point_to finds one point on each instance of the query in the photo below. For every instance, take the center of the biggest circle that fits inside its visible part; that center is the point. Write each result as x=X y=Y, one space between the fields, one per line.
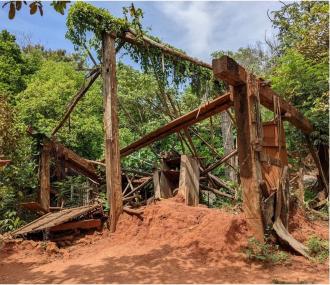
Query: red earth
x=173 y=243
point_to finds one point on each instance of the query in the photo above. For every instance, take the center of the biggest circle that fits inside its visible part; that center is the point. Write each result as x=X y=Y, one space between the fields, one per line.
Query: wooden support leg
x=44 y=194
x=189 y=180
x=112 y=151
x=248 y=157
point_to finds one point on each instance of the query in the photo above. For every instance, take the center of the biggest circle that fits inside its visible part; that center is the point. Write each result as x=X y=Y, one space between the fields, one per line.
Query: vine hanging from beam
x=84 y=18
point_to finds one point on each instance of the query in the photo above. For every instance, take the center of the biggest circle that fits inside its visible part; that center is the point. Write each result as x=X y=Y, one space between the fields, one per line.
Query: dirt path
x=171 y=245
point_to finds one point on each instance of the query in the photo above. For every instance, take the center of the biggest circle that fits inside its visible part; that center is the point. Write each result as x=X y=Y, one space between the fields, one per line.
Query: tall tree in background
x=301 y=71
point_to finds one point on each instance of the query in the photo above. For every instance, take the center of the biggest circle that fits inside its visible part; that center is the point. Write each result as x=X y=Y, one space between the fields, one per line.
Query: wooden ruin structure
x=261 y=146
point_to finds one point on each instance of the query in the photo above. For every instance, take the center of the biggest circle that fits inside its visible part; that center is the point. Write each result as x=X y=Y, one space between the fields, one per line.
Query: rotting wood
x=225 y=68
x=44 y=194
x=84 y=224
x=189 y=180
x=217 y=105
x=284 y=235
x=220 y=183
x=112 y=151
x=76 y=99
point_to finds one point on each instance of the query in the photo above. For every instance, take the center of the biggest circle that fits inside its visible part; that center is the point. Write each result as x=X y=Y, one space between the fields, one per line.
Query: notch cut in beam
x=228 y=70
x=215 y=106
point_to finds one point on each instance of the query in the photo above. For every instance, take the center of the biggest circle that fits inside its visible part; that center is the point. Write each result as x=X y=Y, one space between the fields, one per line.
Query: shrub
x=318 y=248
x=265 y=252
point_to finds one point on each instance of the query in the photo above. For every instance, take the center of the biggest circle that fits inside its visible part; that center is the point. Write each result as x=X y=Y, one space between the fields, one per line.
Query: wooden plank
x=217 y=105
x=250 y=169
x=156 y=181
x=112 y=151
x=283 y=234
x=84 y=224
x=44 y=193
x=189 y=180
x=228 y=70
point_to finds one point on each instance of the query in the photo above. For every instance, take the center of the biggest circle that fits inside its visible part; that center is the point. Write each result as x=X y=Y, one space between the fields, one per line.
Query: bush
x=318 y=248
x=265 y=252
x=10 y=222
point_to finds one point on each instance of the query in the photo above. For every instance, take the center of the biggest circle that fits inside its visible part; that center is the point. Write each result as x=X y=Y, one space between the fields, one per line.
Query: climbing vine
x=84 y=18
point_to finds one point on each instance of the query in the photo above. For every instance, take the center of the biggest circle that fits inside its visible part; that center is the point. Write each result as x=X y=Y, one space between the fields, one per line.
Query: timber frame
x=246 y=94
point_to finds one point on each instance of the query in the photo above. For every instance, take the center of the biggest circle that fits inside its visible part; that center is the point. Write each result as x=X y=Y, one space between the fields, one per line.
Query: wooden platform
x=54 y=219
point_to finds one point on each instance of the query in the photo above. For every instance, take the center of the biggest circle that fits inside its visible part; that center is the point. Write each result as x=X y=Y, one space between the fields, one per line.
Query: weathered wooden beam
x=76 y=99
x=219 y=162
x=44 y=177
x=75 y=161
x=139 y=187
x=217 y=105
x=226 y=69
x=112 y=151
x=146 y=41
x=216 y=192
x=189 y=180
x=248 y=140
x=84 y=224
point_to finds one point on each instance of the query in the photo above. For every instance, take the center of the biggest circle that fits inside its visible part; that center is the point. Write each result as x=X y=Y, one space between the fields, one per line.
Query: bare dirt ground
x=173 y=244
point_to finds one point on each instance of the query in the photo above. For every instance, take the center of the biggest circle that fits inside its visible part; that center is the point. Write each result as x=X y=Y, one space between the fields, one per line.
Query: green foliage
x=305 y=84
x=84 y=18
x=318 y=248
x=10 y=222
x=264 y=252
x=304 y=27
x=11 y=65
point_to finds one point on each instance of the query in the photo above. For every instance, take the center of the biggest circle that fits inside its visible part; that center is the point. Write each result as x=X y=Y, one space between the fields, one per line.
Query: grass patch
x=318 y=248
x=265 y=252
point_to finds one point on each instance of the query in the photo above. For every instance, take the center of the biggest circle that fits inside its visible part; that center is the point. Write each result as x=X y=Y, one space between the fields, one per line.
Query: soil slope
x=172 y=244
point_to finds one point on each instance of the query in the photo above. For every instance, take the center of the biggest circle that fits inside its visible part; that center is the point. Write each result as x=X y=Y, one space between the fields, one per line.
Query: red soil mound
x=169 y=222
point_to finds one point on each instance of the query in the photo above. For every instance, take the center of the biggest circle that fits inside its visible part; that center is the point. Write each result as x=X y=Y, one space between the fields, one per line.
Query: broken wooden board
x=189 y=180
x=284 y=235
x=84 y=224
x=53 y=219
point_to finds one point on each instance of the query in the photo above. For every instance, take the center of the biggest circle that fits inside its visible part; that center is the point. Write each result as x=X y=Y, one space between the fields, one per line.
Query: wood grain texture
x=189 y=180
x=112 y=150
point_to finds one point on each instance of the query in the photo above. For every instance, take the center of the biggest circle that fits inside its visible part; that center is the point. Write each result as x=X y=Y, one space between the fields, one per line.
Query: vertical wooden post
x=249 y=141
x=189 y=180
x=44 y=175
x=248 y=157
x=112 y=151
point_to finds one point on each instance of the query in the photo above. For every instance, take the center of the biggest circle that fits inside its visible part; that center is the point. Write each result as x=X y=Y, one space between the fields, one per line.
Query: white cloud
x=197 y=22
x=203 y=27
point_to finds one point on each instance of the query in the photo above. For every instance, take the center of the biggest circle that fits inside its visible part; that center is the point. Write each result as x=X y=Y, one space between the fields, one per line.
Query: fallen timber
x=215 y=106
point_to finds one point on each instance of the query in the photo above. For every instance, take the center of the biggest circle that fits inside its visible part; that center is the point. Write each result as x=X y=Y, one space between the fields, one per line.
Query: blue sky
x=196 y=27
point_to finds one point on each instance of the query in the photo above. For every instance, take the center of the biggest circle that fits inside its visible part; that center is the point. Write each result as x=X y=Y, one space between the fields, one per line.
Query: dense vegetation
x=36 y=85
